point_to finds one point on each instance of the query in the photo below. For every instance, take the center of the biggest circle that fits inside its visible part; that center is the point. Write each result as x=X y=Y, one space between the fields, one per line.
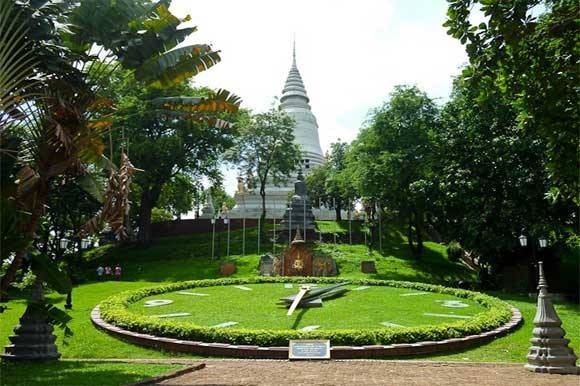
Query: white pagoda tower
x=296 y=104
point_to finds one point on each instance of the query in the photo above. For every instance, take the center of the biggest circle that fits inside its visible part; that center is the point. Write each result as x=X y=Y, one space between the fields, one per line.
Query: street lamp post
x=349 y=224
x=83 y=244
x=244 y=227
x=366 y=226
x=542 y=243
x=380 y=230
x=213 y=238
x=63 y=245
x=289 y=224
x=259 y=220
x=227 y=221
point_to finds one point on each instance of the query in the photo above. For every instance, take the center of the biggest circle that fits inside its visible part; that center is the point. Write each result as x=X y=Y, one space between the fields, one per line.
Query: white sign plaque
x=309 y=349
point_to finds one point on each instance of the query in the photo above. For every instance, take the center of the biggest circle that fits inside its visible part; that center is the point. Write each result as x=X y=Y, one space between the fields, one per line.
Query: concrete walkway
x=364 y=373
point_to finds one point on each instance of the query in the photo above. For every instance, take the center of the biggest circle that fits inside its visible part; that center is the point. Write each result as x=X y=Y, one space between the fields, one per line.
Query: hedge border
x=113 y=312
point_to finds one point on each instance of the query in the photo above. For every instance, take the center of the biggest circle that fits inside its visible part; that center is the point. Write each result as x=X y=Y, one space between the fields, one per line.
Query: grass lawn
x=514 y=347
x=188 y=257
x=78 y=373
x=357 y=308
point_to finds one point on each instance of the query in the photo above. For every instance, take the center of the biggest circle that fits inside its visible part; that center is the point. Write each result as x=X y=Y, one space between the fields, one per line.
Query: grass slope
x=187 y=258
x=78 y=373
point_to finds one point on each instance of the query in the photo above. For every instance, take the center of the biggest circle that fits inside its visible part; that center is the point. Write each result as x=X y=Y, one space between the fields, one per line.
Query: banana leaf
x=42 y=266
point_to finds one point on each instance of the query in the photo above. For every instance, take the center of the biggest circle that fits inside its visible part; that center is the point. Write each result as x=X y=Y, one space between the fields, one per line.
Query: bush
x=114 y=310
x=160 y=215
x=454 y=251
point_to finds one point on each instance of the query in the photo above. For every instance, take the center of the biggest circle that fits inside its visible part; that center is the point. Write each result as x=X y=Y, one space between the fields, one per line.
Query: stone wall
x=195 y=226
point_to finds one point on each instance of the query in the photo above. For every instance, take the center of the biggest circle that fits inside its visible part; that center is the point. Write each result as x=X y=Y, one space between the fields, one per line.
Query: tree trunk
x=338 y=209
x=148 y=201
x=419 y=234
x=29 y=230
x=415 y=234
x=410 y=234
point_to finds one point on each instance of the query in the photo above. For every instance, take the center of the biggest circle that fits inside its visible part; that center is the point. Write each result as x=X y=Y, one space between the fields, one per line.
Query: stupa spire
x=294 y=92
x=294 y=53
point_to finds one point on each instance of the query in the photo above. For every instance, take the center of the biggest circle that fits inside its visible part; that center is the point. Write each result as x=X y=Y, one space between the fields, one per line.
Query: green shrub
x=454 y=251
x=114 y=310
x=160 y=215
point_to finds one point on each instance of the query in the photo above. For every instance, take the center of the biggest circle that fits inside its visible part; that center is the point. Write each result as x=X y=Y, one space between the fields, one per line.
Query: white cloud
x=350 y=53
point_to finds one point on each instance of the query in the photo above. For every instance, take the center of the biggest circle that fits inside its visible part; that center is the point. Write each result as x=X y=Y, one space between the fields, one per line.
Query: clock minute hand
x=301 y=293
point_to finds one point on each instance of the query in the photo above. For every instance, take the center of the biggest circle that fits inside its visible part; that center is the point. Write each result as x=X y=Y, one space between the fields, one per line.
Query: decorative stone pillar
x=33 y=338
x=549 y=352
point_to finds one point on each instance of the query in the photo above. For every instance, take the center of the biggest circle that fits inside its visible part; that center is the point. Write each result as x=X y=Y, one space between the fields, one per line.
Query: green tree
x=180 y=195
x=390 y=161
x=221 y=197
x=533 y=63
x=316 y=184
x=338 y=186
x=165 y=147
x=490 y=179
x=329 y=183
x=265 y=151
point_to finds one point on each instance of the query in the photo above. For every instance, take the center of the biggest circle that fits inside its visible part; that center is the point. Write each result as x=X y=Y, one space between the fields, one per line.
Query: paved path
x=365 y=373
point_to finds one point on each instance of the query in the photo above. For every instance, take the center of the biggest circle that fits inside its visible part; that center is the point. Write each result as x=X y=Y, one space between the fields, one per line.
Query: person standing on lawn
x=118 y=272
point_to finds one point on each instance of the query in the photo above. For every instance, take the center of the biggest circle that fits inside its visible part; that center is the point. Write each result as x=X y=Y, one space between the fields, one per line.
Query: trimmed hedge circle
x=114 y=310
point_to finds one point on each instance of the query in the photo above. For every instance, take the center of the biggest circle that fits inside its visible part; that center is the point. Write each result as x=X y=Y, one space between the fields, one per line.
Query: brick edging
x=337 y=352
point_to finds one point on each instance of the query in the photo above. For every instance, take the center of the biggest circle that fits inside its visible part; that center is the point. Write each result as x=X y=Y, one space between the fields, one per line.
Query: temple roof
x=294 y=88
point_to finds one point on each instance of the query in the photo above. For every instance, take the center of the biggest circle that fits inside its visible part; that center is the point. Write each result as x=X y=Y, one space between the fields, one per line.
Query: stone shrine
x=299 y=215
x=297 y=260
x=208 y=210
x=266 y=265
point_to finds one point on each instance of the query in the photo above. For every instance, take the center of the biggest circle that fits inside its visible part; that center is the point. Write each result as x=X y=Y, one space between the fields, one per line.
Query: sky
x=350 y=54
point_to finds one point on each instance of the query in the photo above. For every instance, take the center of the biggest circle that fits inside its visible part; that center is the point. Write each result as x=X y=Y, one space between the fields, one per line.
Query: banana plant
x=149 y=44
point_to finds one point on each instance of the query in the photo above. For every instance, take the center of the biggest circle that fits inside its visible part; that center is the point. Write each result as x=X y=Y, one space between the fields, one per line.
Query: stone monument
x=300 y=214
x=33 y=338
x=266 y=266
x=549 y=352
x=208 y=210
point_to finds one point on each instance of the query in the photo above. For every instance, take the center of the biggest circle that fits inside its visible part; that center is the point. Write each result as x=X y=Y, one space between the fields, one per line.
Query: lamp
x=543 y=242
x=85 y=243
x=523 y=240
x=64 y=243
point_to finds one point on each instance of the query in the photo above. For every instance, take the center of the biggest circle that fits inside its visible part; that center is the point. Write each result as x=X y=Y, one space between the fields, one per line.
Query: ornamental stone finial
x=549 y=352
x=298 y=237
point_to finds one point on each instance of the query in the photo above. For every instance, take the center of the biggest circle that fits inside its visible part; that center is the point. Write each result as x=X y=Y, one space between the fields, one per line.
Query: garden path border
x=336 y=352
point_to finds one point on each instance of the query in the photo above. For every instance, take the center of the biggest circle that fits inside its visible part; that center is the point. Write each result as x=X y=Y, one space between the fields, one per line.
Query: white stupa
x=295 y=103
